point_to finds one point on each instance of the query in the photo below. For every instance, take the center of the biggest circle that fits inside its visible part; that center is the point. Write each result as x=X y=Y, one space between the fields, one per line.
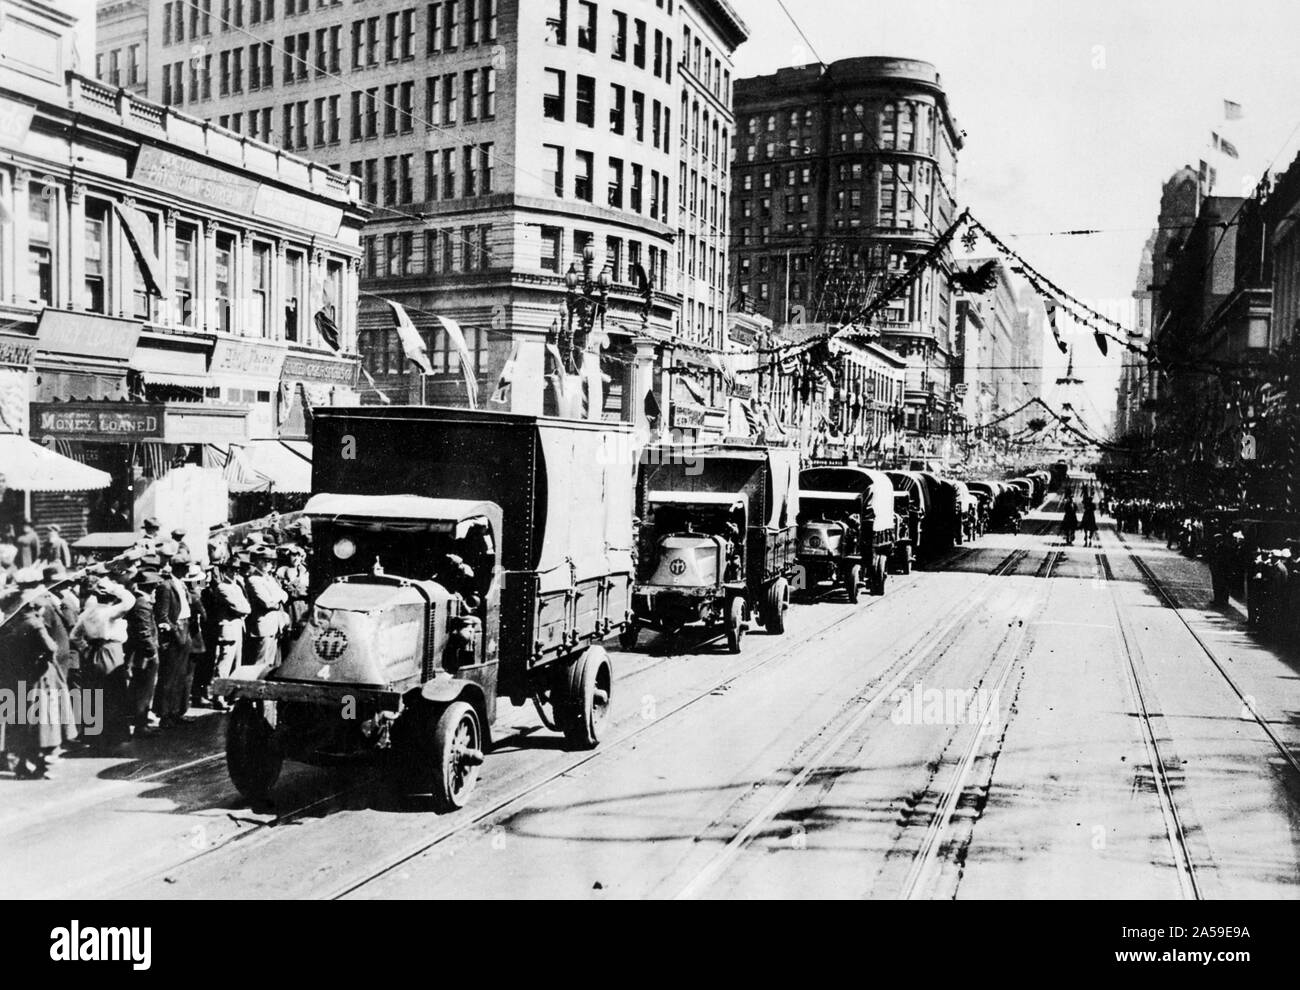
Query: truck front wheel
x=852 y=578
x=735 y=623
x=582 y=700
x=253 y=754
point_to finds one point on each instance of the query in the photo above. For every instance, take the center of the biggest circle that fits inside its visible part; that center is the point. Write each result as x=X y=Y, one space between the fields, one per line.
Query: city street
x=1019 y=719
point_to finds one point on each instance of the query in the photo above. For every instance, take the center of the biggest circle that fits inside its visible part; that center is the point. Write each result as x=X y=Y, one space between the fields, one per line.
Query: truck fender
x=445 y=690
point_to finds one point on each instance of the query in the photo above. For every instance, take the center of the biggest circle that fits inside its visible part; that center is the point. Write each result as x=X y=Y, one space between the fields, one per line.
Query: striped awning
x=29 y=467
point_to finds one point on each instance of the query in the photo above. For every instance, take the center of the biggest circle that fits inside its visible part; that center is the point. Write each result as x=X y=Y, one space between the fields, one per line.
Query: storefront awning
x=29 y=467
x=282 y=466
x=170 y=378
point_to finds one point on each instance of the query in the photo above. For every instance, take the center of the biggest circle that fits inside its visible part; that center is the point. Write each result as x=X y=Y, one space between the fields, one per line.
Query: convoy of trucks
x=462 y=557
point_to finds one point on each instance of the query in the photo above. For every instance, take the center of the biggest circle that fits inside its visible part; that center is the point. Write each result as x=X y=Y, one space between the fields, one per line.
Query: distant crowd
x=150 y=632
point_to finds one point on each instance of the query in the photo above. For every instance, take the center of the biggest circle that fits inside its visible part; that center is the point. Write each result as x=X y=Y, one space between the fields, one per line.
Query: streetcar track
x=1246 y=700
x=1176 y=832
x=928 y=856
x=266 y=830
x=918 y=653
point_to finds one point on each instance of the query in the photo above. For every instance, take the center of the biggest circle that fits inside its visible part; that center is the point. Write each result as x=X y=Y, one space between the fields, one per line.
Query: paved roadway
x=1024 y=719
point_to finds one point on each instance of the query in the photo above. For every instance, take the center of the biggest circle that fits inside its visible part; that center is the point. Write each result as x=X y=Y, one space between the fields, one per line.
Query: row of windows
x=904 y=125
x=427 y=252
x=382 y=354
x=622 y=35
x=700 y=197
x=243 y=303
x=706 y=136
x=449 y=173
x=555 y=107
x=109 y=66
x=706 y=67
x=620 y=179
x=197 y=14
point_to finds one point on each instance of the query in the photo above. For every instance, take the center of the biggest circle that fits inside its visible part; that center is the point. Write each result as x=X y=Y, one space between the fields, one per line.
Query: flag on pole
x=383 y=396
x=1052 y=305
x=457 y=339
x=507 y=378
x=1231 y=110
x=412 y=343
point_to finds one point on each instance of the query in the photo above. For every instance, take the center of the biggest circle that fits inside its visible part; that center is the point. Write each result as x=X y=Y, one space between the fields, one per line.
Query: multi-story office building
x=122 y=44
x=991 y=371
x=843 y=176
x=174 y=289
x=502 y=144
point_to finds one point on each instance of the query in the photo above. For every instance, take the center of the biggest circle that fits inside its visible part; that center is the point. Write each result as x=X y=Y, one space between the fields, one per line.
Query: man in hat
x=101 y=635
x=29 y=546
x=173 y=614
x=150 y=537
x=200 y=667
x=267 y=620
x=182 y=554
x=57 y=550
x=292 y=575
x=142 y=649
x=232 y=608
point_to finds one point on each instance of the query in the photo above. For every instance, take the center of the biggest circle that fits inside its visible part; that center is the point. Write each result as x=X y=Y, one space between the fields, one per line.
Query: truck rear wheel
x=778 y=600
x=880 y=574
x=582 y=700
x=253 y=755
x=852 y=578
x=735 y=623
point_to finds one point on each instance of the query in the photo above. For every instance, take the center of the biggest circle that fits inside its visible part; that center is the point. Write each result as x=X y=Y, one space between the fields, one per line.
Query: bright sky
x=1075 y=112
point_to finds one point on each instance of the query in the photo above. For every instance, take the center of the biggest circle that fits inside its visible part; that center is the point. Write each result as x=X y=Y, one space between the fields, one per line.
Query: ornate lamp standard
x=586 y=301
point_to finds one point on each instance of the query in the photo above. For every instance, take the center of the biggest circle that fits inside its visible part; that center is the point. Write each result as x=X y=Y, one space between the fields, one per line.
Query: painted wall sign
x=194 y=179
x=246 y=357
x=17 y=351
x=98 y=421
x=87 y=334
x=15 y=122
x=299 y=367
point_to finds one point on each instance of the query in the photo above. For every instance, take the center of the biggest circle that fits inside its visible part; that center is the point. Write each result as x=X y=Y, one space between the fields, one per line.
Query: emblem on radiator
x=677 y=567
x=330 y=644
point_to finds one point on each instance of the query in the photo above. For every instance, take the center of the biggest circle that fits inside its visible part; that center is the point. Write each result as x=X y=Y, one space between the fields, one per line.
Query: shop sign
x=87 y=335
x=194 y=180
x=687 y=417
x=245 y=357
x=98 y=421
x=15 y=122
x=298 y=367
x=742 y=390
x=17 y=351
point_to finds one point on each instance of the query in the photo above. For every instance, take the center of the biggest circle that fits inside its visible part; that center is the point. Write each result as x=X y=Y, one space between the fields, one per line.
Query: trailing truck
x=458 y=558
x=717 y=542
x=849 y=530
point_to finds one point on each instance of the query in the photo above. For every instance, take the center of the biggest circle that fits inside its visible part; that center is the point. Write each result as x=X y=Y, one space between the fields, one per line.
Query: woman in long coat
x=1089 y=523
x=47 y=720
x=1071 y=521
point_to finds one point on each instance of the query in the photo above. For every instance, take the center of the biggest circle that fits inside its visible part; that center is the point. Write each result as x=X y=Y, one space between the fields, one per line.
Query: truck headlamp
x=344 y=549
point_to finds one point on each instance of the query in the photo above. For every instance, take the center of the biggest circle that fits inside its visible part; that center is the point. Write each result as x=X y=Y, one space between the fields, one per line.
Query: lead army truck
x=458 y=558
x=717 y=541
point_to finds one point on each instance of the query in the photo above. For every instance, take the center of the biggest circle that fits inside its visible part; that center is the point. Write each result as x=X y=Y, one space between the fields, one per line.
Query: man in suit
x=57 y=550
x=268 y=619
x=29 y=546
x=142 y=649
x=172 y=612
x=230 y=601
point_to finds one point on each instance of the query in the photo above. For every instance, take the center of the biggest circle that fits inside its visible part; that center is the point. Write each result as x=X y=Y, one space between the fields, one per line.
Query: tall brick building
x=843 y=174
x=498 y=140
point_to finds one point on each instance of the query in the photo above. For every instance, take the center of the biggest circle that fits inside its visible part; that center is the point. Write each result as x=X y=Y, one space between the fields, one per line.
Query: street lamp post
x=585 y=301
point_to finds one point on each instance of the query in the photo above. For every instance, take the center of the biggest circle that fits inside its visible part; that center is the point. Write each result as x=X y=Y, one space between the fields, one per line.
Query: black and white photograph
x=649 y=450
